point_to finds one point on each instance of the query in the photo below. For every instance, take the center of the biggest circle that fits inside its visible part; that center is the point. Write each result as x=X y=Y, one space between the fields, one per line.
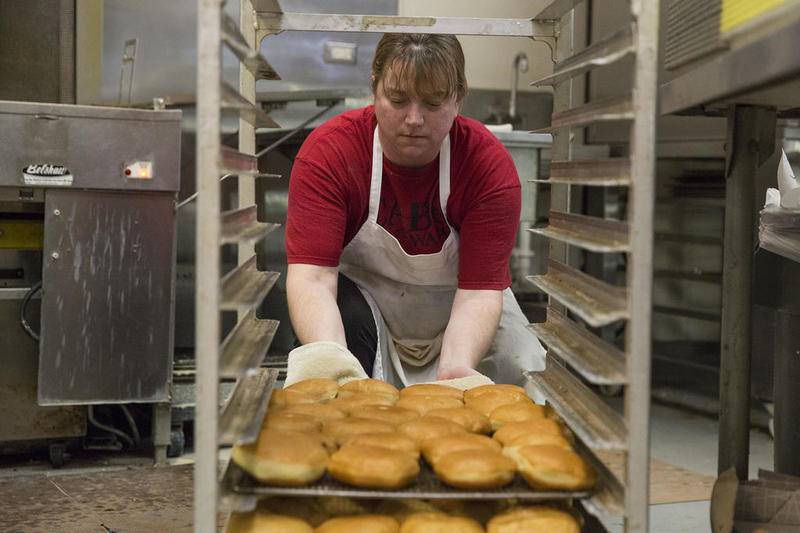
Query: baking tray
x=239 y=482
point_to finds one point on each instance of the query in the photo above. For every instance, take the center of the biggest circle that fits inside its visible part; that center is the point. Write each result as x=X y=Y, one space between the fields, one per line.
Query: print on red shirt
x=413 y=214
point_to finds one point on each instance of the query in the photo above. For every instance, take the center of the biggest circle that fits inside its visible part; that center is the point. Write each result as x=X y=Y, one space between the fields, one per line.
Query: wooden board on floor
x=134 y=500
x=668 y=483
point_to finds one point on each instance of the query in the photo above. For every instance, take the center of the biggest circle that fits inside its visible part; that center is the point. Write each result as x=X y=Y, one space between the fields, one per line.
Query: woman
x=401 y=222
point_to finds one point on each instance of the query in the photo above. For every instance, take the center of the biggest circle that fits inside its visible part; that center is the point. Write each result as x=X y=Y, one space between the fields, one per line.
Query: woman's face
x=411 y=127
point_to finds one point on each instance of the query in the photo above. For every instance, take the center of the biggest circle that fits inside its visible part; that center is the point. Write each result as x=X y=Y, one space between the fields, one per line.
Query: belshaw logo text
x=46 y=170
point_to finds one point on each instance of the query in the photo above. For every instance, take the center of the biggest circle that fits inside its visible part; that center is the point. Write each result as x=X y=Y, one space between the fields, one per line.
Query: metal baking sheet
x=427 y=486
x=244 y=411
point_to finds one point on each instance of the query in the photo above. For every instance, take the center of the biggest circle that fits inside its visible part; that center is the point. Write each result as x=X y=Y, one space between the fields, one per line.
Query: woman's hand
x=457 y=371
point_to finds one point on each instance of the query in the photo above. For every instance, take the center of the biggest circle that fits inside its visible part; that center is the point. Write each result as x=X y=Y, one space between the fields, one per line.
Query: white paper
x=773 y=198
x=787 y=184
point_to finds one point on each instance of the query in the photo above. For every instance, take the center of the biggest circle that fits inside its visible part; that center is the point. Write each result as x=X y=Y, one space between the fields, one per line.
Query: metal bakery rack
x=599 y=427
x=576 y=355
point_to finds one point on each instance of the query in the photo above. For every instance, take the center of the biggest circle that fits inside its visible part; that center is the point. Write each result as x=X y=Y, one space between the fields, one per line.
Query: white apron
x=411 y=297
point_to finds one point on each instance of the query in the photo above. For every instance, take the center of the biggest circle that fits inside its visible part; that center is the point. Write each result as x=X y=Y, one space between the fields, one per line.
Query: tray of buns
x=365 y=439
x=427 y=486
x=344 y=515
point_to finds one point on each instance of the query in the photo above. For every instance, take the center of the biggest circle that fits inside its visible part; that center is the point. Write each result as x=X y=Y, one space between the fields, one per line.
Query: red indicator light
x=127 y=172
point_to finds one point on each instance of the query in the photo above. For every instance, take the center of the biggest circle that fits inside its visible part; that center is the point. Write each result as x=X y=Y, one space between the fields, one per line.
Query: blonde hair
x=434 y=62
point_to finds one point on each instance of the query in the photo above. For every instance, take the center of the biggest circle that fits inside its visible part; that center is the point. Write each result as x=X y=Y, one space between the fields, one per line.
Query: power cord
x=22 y=319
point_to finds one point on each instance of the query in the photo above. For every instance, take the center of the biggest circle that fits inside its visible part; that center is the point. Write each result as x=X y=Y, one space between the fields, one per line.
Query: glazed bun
x=435 y=449
x=426 y=428
x=373 y=467
x=475 y=469
x=369 y=386
x=551 y=467
x=432 y=389
x=515 y=412
x=284 y=458
x=342 y=430
x=533 y=519
x=368 y=523
x=488 y=402
x=539 y=439
x=388 y=413
x=352 y=404
x=391 y=441
x=320 y=389
x=471 y=420
x=286 y=421
x=510 y=432
x=257 y=522
x=321 y=411
x=435 y=522
x=425 y=404
x=280 y=398
x=475 y=392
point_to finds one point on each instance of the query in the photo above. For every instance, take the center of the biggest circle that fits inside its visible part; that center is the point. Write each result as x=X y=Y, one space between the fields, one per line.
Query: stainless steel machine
x=87 y=265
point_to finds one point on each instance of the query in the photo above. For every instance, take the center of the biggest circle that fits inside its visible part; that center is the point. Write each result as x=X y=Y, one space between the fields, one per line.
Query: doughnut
x=515 y=412
x=431 y=389
x=373 y=467
x=533 y=519
x=285 y=421
x=551 y=467
x=539 y=439
x=425 y=428
x=284 y=458
x=475 y=469
x=436 y=522
x=281 y=398
x=488 y=402
x=341 y=430
x=388 y=413
x=320 y=389
x=321 y=411
x=510 y=432
x=434 y=449
x=390 y=441
x=368 y=523
x=351 y=404
x=473 y=393
x=424 y=404
x=369 y=386
x=469 y=419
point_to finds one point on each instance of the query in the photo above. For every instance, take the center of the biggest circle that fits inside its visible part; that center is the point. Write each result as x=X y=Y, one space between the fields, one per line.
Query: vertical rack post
x=240 y=354
x=576 y=297
x=247 y=130
x=207 y=294
x=640 y=261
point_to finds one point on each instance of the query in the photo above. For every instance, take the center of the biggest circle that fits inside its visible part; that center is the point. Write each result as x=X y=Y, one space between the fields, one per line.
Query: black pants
x=359 y=324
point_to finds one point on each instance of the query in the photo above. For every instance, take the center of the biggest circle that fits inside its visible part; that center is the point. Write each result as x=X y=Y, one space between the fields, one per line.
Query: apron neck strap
x=376 y=177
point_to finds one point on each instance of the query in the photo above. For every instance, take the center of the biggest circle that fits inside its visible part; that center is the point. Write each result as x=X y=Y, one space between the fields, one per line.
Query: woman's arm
x=311 y=294
x=470 y=331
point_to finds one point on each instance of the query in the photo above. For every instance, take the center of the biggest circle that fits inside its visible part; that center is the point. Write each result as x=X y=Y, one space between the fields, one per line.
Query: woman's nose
x=414 y=116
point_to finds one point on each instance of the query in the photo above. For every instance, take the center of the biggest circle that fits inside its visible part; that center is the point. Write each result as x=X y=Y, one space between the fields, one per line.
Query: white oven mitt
x=323 y=359
x=466 y=383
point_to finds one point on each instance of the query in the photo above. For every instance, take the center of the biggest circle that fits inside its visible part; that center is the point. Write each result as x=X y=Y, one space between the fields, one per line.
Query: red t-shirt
x=329 y=198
